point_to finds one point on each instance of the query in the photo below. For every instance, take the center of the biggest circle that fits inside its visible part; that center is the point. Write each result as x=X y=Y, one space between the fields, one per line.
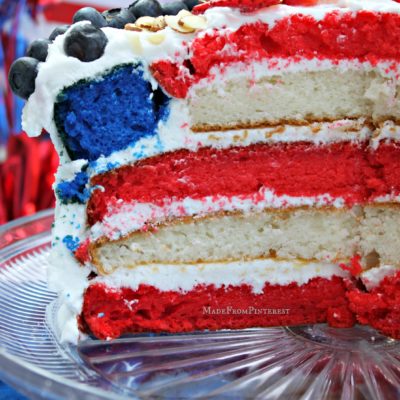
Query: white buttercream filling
x=256 y=273
x=374 y=276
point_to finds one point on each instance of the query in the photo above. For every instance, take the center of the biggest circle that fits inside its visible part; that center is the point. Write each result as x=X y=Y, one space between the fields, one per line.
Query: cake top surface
x=145 y=43
x=124 y=46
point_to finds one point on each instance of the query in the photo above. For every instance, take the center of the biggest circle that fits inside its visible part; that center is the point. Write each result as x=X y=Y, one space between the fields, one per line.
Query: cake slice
x=230 y=167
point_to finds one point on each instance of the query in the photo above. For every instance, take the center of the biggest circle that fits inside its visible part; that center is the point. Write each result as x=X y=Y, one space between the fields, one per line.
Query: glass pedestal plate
x=307 y=362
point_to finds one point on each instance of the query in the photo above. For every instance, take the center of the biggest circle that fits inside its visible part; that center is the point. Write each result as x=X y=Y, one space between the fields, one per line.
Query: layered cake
x=229 y=166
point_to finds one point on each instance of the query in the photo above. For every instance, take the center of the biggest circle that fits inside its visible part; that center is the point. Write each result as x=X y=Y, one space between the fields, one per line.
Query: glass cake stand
x=308 y=362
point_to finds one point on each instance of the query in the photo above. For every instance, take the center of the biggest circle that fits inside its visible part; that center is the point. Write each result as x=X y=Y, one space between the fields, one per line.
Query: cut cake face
x=241 y=154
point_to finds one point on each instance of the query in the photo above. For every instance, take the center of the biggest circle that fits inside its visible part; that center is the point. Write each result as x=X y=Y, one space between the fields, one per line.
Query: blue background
x=7 y=393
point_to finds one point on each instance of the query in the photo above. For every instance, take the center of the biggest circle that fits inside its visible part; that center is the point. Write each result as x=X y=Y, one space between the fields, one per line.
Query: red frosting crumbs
x=110 y=313
x=380 y=307
x=82 y=253
x=355 y=267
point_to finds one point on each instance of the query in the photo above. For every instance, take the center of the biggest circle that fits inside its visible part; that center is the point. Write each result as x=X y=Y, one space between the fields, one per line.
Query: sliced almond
x=133 y=27
x=193 y=22
x=148 y=23
x=161 y=22
x=173 y=22
x=156 y=38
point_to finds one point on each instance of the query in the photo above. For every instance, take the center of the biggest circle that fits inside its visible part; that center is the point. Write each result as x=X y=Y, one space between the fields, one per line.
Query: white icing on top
x=60 y=71
x=221 y=17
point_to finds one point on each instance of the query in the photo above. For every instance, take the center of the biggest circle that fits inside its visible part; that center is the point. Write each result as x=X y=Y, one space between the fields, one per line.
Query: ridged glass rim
x=13 y=370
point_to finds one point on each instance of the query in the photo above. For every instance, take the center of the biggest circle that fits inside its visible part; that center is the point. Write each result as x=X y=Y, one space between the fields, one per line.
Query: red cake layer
x=386 y=163
x=347 y=170
x=381 y=307
x=365 y=36
x=109 y=313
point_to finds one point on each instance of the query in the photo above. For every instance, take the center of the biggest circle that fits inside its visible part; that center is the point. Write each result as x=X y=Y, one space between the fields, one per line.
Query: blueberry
x=85 y=42
x=60 y=30
x=146 y=8
x=90 y=14
x=173 y=7
x=110 y=14
x=39 y=49
x=191 y=3
x=22 y=76
x=118 y=18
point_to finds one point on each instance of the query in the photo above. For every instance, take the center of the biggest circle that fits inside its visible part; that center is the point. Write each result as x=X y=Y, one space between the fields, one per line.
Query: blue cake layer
x=98 y=117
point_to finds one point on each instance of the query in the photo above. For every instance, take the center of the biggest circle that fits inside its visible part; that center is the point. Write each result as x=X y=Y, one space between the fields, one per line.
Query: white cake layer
x=335 y=235
x=308 y=234
x=241 y=97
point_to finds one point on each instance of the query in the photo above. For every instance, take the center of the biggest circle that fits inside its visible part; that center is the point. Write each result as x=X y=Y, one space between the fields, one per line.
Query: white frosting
x=222 y=17
x=388 y=131
x=388 y=198
x=133 y=216
x=254 y=273
x=66 y=276
x=68 y=171
x=374 y=276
